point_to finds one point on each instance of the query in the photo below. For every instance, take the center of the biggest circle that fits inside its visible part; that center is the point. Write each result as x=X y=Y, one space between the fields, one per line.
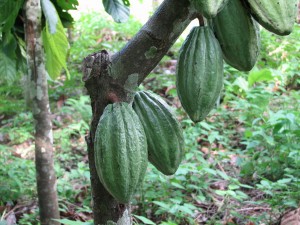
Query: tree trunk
x=298 y=14
x=45 y=175
x=114 y=79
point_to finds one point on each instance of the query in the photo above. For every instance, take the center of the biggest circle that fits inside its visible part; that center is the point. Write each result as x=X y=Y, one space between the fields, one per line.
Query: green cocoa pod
x=277 y=16
x=199 y=73
x=163 y=132
x=120 y=147
x=238 y=35
x=209 y=8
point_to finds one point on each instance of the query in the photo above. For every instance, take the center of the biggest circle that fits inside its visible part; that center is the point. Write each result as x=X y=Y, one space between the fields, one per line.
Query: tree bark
x=298 y=14
x=115 y=78
x=45 y=174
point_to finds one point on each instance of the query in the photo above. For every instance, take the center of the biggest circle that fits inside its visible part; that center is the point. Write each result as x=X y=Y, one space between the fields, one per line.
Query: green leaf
x=21 y=54
x=186 y=210
x=7 y=67
x=220 y=192
x=213 y=136
x=117 y=9
x=177 y=185
x=162 y=204
x=265 y=184
x=241 y=84
x=261 y=75
x=210 y=171
x=68 y=5
x=144 y=220
x=65 y=17
x=56 y=48
x=8 y=13
x=206 y=125
x=284 y=181
x=223 y=175
x=50 y=15
x=6 y=7
x=62 y=8
x=9 y=45
x=246 y=186
x=233 y=186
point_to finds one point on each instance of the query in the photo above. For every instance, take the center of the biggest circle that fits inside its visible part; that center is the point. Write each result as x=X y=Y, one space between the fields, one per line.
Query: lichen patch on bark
x=35 y=109
x=39 y=93
x=151 y=53
x=32 y=93
x=131 y=85
x=125 y=219
x=50 y=134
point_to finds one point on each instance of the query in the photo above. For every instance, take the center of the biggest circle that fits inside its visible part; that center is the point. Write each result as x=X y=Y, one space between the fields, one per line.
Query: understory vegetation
x=241 y=165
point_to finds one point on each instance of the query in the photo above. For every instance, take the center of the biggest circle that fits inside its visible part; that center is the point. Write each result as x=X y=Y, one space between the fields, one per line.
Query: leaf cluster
x=12 y=39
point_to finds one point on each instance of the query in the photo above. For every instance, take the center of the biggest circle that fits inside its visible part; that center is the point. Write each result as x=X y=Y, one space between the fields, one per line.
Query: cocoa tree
x=113 y=78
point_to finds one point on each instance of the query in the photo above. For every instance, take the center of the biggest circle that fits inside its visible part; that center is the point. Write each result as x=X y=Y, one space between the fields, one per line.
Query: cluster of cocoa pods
x=231 y=32
x=130 y=135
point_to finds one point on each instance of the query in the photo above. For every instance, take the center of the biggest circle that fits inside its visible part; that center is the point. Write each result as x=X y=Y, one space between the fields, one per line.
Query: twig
x=254 y=208
x=221 y=168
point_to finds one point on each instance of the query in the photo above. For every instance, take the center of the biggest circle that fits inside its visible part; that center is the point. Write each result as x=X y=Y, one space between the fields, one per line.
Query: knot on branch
x=113 y=97
x=96 y=64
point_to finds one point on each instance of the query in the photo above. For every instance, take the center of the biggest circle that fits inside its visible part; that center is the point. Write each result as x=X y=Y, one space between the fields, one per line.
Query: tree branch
x=152 y=42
